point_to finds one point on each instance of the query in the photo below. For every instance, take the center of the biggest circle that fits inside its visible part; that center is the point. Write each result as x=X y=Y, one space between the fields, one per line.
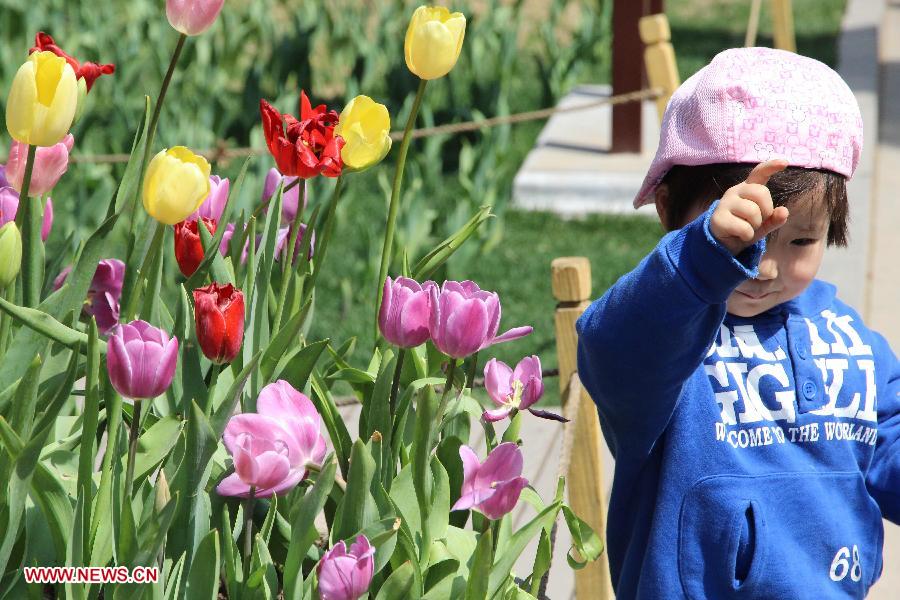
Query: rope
x=221 y=152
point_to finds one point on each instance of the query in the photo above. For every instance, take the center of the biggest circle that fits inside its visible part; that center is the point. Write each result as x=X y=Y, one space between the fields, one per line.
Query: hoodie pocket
x=778 y=536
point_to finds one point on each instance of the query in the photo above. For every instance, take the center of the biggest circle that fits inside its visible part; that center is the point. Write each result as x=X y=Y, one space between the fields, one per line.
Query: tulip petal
x=546 y=414
x=503 y=463
x=504 y=500
x=513 y=334
x=20 y=103
x=497 y=376
x=233 y=486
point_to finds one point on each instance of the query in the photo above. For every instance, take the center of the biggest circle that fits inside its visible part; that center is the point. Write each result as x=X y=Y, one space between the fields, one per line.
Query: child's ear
x=662 y=204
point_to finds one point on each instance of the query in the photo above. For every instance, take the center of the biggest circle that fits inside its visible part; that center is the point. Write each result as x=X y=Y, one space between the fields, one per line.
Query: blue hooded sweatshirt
x=755 y=457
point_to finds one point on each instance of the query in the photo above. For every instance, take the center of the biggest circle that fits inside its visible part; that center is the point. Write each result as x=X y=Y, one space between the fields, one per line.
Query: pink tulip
x=405 y=312
x=141 y=360
x=103 y=295
x=214 y=204
x=271 y=448
x=192 y=17
x=465 y=319
x=9 y=206
x=493 y=487
x=515 y=390
x=346 y=575
x=49 y=165
x=290 y=201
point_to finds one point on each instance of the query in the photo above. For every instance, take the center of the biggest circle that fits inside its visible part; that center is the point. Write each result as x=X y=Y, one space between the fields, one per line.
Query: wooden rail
x=583 y=440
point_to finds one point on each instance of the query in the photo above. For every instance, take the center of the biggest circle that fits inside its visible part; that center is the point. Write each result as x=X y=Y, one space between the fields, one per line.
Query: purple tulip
x=141 y=360
x=465 y=319
x=513 y=389
x=493 y=487
x=405 y=311
x=103 y=294
x=214 y=204
x=290 y=202
x=9 y=206
x=50 y=163
x=272 y=447
x=346 y=575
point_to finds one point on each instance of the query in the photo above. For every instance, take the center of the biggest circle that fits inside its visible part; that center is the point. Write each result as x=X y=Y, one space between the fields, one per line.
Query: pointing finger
x=763 y=171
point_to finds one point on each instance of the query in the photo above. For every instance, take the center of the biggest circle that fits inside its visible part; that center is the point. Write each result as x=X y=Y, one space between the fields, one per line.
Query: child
x=754 y=419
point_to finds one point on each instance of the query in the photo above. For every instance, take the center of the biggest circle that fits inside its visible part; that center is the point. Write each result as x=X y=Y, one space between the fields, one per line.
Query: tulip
x=271 y=448
x=492 y=487
x=405 y=312
x=346 y=575
x=103 y=294
x=365 y=127
x=290 y=201
x=141 y=360
x=11 y=251
x=303 y=148
x=49 y=165
x=433 y=41
x=189 y=246
x=192 y=17
x=9 y=206
x=42 y=100
x=465 y=319
x=219 y=315
x=176 y=183
x=513 y=390
x=88 y=72
x=214 y=204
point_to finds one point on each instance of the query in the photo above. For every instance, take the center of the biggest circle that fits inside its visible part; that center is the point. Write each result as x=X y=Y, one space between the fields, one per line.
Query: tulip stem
x=28 y=220
x=395 y=199
x=395 y=385
x=132 y=447
x=439 y=417
x=154 y=120
x=7 y=293
x=248 y=530
x=317 y=469
x=214 y=371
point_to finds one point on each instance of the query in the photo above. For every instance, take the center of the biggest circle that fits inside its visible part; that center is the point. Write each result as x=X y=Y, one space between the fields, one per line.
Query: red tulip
x=189 y=246
x=88 y=71
x=219 y=315
x=307 y=147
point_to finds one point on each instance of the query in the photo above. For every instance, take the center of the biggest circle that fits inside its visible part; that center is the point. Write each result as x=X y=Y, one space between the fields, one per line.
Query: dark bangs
x=702 y=184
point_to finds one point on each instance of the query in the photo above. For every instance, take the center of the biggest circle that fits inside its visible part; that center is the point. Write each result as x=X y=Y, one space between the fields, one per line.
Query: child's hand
x=745 y=213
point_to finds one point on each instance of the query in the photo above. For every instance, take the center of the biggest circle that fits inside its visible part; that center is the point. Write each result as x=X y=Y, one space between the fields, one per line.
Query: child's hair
x=689 y=186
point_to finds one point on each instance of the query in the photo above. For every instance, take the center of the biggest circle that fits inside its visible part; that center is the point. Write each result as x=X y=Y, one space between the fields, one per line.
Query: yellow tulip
x=176 y=183
x=42 y=100
x=11 y=251
x=433 y=41
x=366 y=128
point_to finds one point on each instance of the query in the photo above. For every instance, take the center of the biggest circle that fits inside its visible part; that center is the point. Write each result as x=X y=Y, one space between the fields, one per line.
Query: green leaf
x=153 y=533
x=28 y=343
x=266 y=530
x=88 y=435
x=480 y=569
x=443 y=251
x=296 y=366
x=377 y=407
x=47 y=326
x=263 y=576
x=173 y=579
x=154 y=446
x=400 y=585
x=439 y=515
x=334 y=422
x=303 y=530
x=584 y=540
x=18 y=478
x=358 y=508
x=234 y=571
x=203 y=581
x=49 y=494
x=504 y=563
x=285 y=338
x=542 y=559
x=74 y=556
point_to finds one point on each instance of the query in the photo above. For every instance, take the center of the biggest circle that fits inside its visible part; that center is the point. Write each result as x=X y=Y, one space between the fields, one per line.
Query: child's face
x=792 y=259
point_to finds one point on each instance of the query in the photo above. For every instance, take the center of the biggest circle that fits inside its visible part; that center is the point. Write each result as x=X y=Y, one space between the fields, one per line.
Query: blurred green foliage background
x=518 y=55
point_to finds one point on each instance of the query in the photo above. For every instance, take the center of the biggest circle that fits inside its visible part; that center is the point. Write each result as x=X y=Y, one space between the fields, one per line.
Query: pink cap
x=752 y=104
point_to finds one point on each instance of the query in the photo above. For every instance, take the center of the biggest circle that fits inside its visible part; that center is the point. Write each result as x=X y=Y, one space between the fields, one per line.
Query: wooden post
x=659 y=58
x=783 y=25
x=626 y=75
x=571 y=283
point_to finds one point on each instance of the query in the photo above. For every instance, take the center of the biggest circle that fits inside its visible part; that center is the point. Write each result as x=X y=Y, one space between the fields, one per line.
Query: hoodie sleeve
x=639 y=343
x=883 y=478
